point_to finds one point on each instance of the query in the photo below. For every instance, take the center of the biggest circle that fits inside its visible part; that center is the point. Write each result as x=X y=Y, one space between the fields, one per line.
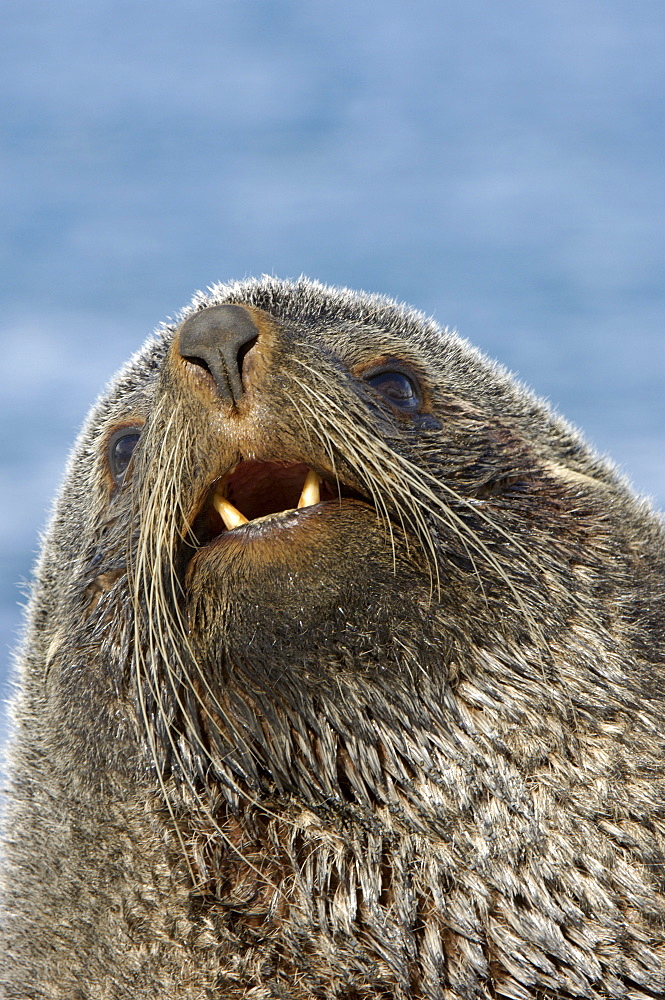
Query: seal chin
x=293 y=571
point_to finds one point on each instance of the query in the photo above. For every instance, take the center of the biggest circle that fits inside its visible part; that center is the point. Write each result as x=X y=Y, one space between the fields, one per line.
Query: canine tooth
x=310 y=492
x=229 y=514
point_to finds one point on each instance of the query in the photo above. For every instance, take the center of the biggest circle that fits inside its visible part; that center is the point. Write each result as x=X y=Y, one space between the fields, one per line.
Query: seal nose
x=218 y=339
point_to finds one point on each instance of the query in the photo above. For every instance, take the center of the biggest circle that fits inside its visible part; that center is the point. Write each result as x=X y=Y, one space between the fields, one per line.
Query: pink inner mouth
x=261 y=488
x=257 y=489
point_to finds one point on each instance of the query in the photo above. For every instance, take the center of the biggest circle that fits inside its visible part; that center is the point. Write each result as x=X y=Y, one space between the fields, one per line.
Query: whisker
x=421 y=496
x=156 y=582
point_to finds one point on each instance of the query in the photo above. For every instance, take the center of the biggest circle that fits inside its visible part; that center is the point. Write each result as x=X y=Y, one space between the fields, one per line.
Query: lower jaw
x=327 y=524
x=301 y=566
x=264 y=526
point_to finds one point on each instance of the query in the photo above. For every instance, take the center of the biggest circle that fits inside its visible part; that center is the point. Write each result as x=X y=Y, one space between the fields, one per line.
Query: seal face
x=343 y=677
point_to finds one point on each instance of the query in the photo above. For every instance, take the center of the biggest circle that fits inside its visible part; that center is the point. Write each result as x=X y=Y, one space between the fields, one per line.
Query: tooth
x=229 y=514
x=310 y=491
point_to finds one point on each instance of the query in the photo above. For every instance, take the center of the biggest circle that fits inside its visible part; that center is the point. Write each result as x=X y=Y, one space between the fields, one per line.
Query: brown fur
x=406 y=743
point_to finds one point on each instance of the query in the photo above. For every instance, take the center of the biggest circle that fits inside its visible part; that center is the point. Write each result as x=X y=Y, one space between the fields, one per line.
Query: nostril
x=242 y=354
x=218 y=340
x=199 y=362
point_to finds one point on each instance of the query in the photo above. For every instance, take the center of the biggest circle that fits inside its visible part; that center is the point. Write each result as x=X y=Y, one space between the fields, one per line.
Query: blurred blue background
x=499 y=165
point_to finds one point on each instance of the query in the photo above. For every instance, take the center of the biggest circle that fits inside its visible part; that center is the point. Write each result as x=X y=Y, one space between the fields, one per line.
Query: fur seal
x=343 y=677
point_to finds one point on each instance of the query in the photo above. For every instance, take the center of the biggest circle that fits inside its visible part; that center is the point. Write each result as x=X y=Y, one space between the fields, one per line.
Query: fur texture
x=407 y=742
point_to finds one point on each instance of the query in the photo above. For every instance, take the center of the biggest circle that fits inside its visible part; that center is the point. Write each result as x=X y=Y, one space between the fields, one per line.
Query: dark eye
x=121 y=446
x=398 y=389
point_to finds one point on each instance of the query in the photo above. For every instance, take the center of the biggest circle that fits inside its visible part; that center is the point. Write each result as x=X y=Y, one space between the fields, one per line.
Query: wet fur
x=421 y=755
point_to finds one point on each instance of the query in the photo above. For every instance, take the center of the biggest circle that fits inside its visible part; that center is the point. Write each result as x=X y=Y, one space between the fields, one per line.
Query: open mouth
x=255 y=490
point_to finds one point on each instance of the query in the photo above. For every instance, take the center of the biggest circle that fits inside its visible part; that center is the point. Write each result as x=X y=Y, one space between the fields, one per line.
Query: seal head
x=343 y=678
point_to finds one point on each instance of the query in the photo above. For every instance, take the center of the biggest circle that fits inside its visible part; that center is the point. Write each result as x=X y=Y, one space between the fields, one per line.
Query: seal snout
x=219 y=340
